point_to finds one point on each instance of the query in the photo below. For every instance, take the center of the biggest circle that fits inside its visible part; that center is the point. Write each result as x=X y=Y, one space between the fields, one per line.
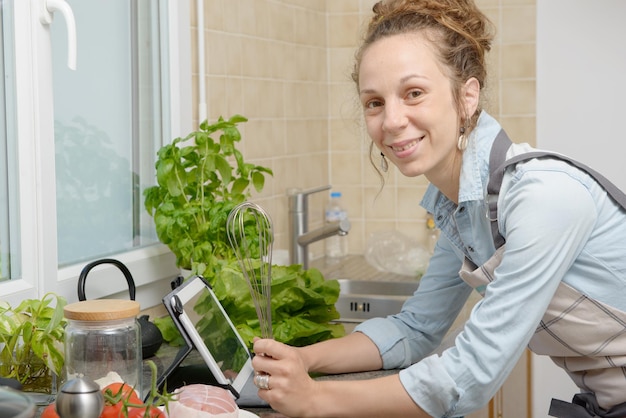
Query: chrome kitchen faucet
x=299 y=235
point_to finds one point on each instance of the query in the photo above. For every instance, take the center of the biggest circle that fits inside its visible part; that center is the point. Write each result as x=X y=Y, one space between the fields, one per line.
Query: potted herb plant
x=32 y=342
x=199 y=181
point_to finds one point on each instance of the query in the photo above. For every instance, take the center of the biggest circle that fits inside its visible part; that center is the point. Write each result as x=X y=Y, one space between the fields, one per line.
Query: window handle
x=48 y=7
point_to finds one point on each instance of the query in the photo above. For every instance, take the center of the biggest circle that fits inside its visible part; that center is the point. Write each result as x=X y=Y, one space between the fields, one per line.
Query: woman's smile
x=409 y=109
x=399 y=148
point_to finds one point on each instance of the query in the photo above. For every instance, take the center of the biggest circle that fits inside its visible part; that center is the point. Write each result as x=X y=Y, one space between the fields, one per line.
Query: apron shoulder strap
x=498 y=164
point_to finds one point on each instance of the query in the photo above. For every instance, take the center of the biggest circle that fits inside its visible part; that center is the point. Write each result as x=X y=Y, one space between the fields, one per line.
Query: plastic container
x=336 y=246
x=103 y=342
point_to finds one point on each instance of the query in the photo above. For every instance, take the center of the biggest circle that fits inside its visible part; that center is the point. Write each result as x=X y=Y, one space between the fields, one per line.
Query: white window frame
x=152 y=267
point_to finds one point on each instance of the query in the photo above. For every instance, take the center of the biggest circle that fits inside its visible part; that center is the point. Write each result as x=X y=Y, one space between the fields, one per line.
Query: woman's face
x=410 y=113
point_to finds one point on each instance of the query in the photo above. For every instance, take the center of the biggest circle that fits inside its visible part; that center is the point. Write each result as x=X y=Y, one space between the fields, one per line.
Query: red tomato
x=112 y=411
x=50 y=411
x=148 y=412
x=126 y=391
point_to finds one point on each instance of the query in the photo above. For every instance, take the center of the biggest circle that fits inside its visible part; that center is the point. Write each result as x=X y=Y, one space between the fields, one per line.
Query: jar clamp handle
x=118 y=264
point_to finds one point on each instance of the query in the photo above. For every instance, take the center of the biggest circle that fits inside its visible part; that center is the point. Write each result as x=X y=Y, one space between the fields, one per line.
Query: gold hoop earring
x=384 y=166
x=463 y=140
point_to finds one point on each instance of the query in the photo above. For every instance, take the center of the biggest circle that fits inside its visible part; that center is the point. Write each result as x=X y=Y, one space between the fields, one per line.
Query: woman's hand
x=291 y=389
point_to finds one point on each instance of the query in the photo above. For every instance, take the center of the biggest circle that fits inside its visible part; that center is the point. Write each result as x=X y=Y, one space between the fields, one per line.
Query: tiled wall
x=286 y=64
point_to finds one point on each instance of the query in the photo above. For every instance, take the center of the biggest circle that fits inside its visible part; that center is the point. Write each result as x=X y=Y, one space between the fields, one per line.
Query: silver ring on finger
x=262 y=381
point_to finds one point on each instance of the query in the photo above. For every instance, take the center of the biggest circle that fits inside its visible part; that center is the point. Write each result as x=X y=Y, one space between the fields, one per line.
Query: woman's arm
x=293 y=392
x=353 y=353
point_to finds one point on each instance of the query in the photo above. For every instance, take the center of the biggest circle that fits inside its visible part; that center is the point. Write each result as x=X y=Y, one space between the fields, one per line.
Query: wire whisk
x=251 y=236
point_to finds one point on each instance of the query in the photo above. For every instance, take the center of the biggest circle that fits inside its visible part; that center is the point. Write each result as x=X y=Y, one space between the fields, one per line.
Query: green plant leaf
x=239 y=186
x=32 y=328
x=258 y=180
x=223 y=166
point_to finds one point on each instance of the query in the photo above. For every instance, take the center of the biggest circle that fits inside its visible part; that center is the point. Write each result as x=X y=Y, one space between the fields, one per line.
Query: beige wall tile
x=257 y=102
x=318 y=5
x=281 y=22
x=518 y=24
x=518 y=97
x=304 y=100
x=344 y=30
x=257 y=55
x=365 y=6
x=485 y=4
x=248 y=12
x=345 y=169
x=286 y=64
x=341 y=6
x=306 y=136
x=341 y=64
x=379 y=204
x=310 y=63
x=344 y=102
x=409 y=209
x=215 y=15
x=264 y=138
x=310 y=27
x=518 y=61
x=223 y=54
x=344 y=136
x=312 y=172
x=520 y=128
x=285 y=170
x=519 y=2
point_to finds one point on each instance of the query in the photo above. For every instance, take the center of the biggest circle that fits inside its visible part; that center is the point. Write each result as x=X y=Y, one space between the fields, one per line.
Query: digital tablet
x=205 y=324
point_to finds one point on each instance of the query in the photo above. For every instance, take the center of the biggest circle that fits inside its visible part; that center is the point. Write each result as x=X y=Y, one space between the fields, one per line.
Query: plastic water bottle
x=336 y=246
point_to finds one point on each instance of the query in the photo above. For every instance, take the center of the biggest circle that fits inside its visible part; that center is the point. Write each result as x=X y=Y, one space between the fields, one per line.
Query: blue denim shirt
x=559 y=225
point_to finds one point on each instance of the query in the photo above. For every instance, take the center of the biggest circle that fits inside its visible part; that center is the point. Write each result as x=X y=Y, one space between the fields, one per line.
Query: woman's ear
x=471 y=95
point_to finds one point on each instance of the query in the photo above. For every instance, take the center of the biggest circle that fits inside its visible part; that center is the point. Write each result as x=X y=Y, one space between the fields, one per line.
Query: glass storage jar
x=103 y=342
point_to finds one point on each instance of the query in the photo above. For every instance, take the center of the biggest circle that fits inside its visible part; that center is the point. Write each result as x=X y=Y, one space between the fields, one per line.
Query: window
x=84 y=141
x=9 y=213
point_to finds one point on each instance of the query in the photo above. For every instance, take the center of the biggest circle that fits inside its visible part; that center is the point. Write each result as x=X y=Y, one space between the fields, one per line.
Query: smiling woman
x=80 y=144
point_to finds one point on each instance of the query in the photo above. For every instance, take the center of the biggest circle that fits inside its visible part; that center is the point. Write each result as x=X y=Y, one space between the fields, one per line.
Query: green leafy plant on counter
x=197 y=188
x=199 y=181
x=31 y=339
x=303 y=305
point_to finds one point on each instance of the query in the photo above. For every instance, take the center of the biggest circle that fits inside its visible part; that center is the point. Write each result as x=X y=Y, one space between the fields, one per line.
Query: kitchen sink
x=363 y=299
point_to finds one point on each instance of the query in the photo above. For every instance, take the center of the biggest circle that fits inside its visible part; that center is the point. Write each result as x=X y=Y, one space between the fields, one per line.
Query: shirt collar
x=474 y=167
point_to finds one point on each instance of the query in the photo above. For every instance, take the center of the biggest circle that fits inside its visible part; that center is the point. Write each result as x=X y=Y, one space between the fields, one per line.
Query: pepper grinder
x=80 y=398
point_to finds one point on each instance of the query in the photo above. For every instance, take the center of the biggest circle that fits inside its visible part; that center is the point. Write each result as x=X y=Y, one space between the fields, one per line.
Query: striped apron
x=583 y=336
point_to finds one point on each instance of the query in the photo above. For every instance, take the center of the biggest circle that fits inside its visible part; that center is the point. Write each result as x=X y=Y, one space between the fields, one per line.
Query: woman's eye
x=372 y=104
x=414 y=94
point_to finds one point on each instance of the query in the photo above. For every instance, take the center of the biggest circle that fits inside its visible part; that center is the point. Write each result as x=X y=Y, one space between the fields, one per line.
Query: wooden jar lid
x=101 y=310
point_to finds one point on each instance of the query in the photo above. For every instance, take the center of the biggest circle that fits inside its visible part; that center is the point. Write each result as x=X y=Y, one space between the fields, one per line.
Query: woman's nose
x=395 y=118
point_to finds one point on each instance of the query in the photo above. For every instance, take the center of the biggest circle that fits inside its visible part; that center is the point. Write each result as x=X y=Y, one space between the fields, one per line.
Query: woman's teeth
x=405 y=147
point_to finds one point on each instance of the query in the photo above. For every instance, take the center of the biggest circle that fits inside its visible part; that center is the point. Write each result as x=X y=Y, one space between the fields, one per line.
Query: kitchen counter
x=352 y=267
x=166 y=353
x=269 y=413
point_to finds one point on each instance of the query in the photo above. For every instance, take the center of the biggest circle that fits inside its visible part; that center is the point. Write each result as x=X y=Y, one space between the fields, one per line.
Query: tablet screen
x=212 y=332
x=216 y=333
